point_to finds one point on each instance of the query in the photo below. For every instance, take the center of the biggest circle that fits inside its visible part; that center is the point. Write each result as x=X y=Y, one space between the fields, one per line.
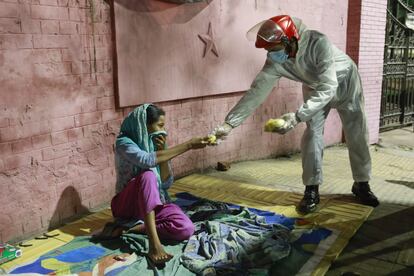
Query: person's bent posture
x=330 y=80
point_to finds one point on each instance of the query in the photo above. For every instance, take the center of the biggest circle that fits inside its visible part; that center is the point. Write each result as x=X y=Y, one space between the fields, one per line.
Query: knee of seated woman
x=148 y=175
x=186 y=232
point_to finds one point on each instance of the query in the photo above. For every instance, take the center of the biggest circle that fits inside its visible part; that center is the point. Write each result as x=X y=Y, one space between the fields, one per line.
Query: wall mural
x=177 y=49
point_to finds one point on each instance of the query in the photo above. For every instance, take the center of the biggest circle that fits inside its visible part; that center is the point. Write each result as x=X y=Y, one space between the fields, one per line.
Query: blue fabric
x=81 y=254
x=35 y=266
x=135 y=151
x=271 y=218
x=186 y=199
x=314 y=237
x=235 y=243
x=231 y=238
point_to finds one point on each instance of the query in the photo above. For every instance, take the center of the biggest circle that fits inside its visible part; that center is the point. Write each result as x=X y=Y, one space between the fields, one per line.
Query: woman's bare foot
x=158 y=255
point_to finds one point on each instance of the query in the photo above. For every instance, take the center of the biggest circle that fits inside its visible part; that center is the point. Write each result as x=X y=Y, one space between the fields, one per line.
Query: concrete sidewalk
x=384 y=245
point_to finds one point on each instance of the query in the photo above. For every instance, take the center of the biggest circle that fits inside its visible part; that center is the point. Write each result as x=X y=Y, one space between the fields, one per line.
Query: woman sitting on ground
x=143 y=177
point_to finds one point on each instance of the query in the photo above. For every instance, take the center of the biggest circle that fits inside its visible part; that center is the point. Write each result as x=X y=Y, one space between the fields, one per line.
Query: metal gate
x=397 y=100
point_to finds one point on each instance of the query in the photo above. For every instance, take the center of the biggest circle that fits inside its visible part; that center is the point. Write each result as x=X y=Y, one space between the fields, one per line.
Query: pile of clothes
x=228 y=238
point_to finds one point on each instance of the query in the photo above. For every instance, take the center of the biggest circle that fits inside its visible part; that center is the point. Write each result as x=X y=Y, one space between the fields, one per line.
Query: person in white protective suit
x=330 y=80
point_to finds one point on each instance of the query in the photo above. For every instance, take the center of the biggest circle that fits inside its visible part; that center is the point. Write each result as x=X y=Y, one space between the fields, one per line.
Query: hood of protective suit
x=300 y=26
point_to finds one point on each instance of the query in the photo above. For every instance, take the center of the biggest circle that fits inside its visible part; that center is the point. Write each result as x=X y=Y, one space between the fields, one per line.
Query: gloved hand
x=221 y=131
x=291 y=120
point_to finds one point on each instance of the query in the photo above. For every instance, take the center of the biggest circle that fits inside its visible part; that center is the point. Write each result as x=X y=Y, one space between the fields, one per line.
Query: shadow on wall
x=68 y=207
x=172 y=13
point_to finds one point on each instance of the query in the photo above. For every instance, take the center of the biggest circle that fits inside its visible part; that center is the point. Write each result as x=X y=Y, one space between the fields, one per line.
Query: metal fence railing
x=397 y=100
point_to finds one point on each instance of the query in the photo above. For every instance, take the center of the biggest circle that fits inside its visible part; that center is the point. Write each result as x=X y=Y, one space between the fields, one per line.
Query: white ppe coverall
x=330 y=79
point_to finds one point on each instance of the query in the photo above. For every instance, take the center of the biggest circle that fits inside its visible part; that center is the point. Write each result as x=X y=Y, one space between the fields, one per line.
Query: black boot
x=364 y=194
x=310 y=199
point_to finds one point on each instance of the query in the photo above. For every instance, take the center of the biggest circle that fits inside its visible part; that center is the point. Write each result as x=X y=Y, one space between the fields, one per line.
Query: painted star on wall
x=208 y=39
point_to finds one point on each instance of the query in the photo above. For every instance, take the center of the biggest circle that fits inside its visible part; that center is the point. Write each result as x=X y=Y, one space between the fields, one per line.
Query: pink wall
x=365 y=44
x=58 y=119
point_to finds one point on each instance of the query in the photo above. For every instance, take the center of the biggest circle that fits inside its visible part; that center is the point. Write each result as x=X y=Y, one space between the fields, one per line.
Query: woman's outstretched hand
x=164 y=154
x=198 y=142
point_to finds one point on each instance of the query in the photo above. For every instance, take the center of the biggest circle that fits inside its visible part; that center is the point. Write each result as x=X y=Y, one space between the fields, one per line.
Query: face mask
x=158 y=133
x=278 y=56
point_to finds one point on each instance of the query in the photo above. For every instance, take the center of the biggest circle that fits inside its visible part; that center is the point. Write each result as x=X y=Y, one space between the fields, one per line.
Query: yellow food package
x=274 y=124
x=212 y=139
